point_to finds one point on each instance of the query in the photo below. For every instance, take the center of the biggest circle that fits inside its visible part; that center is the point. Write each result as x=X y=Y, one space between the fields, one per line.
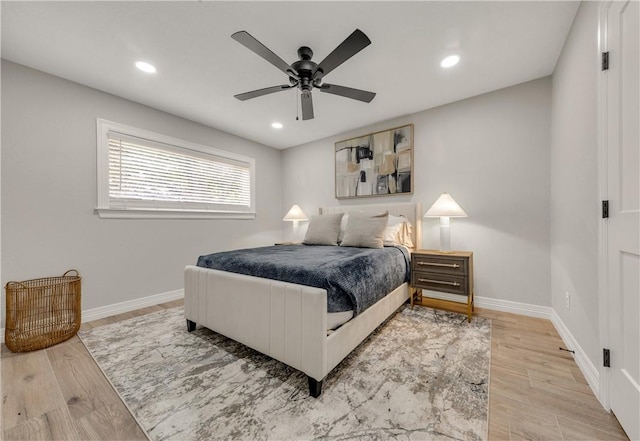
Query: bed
x=289 y=321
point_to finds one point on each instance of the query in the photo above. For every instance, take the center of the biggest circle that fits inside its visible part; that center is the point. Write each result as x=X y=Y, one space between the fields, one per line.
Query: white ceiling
x=200 y=67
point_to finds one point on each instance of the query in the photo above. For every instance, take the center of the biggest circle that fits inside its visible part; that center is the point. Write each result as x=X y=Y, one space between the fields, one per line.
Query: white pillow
x=365 y=230
x=394 y=224
x=390 y=235
x=395 y=220
x=343 y=227
x=323 y=229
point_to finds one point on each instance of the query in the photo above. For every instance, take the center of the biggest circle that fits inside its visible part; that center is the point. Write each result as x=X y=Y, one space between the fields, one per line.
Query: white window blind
x=151 y=174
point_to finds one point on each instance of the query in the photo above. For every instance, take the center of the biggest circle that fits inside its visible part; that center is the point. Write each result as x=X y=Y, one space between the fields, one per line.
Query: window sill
x=111 y=213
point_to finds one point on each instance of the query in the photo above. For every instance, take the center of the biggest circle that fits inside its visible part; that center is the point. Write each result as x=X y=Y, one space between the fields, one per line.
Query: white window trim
x=105 y=211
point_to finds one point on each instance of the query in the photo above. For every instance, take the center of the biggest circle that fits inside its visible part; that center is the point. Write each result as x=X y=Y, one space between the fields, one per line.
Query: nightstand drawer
x=440 y=282
x=453 y=265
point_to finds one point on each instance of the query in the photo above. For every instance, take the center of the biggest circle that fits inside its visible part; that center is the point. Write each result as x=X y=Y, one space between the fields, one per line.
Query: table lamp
x=445 y=208
x=295 y=215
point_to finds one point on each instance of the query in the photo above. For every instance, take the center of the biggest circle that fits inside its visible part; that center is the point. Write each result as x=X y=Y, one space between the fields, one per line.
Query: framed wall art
x=377 y=164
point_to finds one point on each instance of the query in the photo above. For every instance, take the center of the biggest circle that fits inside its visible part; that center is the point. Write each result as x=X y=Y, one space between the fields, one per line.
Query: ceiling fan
x=305 y=74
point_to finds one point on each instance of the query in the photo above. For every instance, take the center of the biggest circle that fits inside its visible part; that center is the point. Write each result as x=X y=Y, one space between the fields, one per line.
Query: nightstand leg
x=416 y=297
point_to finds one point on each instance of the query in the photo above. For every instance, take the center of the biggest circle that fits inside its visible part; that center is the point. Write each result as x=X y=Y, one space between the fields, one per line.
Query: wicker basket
x=42 y=312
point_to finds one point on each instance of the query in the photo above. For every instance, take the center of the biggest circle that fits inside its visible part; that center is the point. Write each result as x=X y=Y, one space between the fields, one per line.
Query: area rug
x=422 y=375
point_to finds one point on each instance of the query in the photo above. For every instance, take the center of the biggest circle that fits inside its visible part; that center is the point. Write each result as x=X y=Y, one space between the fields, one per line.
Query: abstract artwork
x=376 y=164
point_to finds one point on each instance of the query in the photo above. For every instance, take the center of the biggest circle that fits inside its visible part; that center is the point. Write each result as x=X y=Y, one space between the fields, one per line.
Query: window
x=145 y=174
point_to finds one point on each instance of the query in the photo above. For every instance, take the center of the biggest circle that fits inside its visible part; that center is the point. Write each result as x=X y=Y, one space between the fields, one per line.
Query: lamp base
x=445 y=236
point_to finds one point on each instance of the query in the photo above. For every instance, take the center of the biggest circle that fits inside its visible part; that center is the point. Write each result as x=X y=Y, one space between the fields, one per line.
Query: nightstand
x=442 y=279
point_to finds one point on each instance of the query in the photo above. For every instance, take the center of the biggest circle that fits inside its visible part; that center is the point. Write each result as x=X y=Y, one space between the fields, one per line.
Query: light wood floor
x=537 y=391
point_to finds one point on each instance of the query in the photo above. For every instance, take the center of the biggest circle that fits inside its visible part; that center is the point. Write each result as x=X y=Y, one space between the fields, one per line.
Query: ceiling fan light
x=450 y=61
x=145 y=67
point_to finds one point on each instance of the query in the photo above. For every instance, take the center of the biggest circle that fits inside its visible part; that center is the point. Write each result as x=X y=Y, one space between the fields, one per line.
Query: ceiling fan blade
x=353 y=44
x=348 y=92
x=244 y=38
x=261 y=92
x=307 y=105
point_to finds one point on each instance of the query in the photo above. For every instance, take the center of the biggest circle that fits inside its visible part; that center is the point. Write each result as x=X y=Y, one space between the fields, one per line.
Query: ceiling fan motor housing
x=305 y=53
x=305 y=68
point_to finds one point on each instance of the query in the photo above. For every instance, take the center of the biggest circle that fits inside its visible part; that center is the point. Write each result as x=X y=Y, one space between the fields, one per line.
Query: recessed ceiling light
x=145 y=67
x=277 y=125
x=450 y=61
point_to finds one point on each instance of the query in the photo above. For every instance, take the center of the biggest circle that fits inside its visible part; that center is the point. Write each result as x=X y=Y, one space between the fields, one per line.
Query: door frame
x=604 y=374
x=603 y=190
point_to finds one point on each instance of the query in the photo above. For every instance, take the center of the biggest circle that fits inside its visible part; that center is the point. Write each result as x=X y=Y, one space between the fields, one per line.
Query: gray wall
x=491 y=153
x=574 y=181
x=49 y=194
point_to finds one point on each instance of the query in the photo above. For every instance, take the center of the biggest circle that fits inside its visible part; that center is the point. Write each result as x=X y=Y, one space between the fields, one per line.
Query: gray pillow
x=323 y=229
x=365 y=230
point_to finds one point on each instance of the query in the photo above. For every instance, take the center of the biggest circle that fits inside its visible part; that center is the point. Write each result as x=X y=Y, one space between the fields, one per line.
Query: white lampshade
x=445 y=206
x=295 y=214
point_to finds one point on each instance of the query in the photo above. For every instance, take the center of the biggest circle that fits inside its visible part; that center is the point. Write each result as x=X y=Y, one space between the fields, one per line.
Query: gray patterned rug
x=423 y=375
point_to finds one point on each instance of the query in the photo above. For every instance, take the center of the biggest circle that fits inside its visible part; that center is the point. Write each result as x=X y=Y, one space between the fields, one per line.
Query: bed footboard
x=285 y=321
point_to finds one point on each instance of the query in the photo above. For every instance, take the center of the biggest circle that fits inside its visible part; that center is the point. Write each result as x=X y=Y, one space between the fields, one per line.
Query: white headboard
x=410 y=210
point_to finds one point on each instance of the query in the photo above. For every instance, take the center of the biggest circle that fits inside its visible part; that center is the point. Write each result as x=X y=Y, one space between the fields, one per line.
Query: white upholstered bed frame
x=286 y=321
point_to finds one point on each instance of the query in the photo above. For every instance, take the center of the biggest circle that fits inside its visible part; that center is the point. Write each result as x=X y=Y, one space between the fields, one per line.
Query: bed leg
x=315 y=387
x=191 y=326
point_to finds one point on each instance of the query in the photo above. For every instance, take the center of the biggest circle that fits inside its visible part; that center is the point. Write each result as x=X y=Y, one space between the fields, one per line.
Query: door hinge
x=605 y=209
x=606 y=358
x=605 y=60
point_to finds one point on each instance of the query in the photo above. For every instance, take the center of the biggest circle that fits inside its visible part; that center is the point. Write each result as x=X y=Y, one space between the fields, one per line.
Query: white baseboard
x=588 y=369
x=514 y=307
x=92 y=314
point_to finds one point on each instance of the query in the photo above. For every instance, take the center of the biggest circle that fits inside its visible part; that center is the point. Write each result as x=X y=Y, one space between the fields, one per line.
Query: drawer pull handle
x=447 y=265
x=439 y=282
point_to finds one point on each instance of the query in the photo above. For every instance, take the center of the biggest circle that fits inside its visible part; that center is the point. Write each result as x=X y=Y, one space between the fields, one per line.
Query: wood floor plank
x=527 y=430
x=510 y=409
x=498 y=429
x=112 y=422
x=575 y=407
x=581 y=430
x=507 y=391
x=509 y=375
x=29 y=388
x=543 y=367
x=535 y=355
x=84 y=387
x=578 y=375
x=558 y=384
x=54 y=425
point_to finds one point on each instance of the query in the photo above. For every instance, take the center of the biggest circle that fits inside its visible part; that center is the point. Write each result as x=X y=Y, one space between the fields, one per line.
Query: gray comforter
x=355 y=278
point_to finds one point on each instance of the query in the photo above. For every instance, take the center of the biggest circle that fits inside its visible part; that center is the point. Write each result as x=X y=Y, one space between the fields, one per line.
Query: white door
x=623 y=175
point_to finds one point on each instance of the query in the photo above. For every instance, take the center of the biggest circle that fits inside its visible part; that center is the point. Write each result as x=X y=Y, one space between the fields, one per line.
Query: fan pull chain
x=297 y=105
